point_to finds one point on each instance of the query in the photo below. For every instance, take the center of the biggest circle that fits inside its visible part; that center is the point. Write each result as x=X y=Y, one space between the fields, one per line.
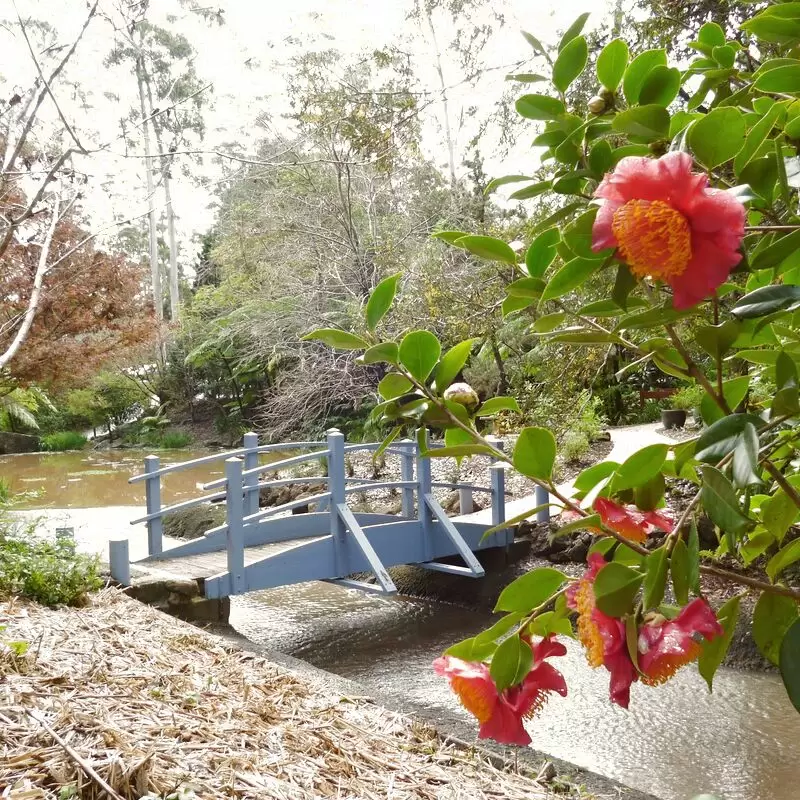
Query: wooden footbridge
x=264 y=548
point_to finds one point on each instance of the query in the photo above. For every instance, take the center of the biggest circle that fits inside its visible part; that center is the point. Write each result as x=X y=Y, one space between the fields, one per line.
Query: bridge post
x=424 y=487
x=498 y=474
x=407 y=474
x=234 y=510
x=336 y=486
x=542 y=497
x=152 y=493
x=497 y=443
x=250 y=442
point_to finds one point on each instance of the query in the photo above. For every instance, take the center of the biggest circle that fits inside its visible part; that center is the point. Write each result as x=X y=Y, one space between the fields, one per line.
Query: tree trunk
x=174 y=296
x=155 y=270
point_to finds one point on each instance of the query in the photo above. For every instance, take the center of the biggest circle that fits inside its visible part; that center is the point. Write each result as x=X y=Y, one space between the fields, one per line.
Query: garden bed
x=118 y=700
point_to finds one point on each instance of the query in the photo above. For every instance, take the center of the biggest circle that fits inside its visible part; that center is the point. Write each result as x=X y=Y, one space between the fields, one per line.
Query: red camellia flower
x=603 y=637
x=501 y=713
x=666 y=222
x=666 y=645
x=628 y=521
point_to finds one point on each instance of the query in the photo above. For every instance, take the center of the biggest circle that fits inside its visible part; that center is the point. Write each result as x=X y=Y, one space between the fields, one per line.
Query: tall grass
x=172 y=440
x=63 y=440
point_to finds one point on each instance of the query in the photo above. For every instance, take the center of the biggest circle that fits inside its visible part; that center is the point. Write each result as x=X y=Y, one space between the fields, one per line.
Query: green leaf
x=650 y=122
x=419 y=352
x=713 y=652
x=789 y=661
x=500 y=628
x=452 y=363
x=571 y=61
x=766 y=301
x=534 y=190
x=783 y=80
x=582 y=524
x=716 y=340
x=526 y=287
x=548 y=624
x=610 y=308
x=775 y=253
x=573 y=31
x=541 y=253
x=395 y=432
x=393 y=385
x=455 y=437
x=679 y=569
x=600 y=158
x=602 y=546
x=539 y=106
x=648 y=496
x=498 y=182
x=340 y=340
x=526 y=77
x=549 y=322
x=535 y=44
x=755 y=138
x=637 y=72
x=489 y=248
x=471 y=650
x=611 y=64
x=512 y=304
x=711 y=34
x=494 y=405
x=660 y=86
x=557 y=216
x=745 y=459
x=591 y=476
x=570 y=276
x=615 y=588
x=385 y=352
x=530 y=590
x=655 y=579
x=771 y=27
x=723 y=436
x=718 y=136
x=640 y=467
x=693 y=545
x=733 y=390
x=381 y=300
x=778 y=512
x=535 y=453
x=451 y=237
x=511 y=662
x=785 y=557
x=772 y=618
x=721 y=503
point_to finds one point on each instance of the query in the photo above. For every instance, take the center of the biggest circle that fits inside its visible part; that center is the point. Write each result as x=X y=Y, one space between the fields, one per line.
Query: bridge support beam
x=234 y=500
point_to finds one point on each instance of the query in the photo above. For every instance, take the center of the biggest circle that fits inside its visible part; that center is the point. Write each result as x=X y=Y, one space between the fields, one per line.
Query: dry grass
x=120 y=701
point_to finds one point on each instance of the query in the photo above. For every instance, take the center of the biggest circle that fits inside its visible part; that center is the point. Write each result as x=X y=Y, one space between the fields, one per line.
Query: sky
x=244 y=62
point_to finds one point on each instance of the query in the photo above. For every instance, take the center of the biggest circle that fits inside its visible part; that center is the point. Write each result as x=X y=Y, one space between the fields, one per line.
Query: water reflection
x=677 y=740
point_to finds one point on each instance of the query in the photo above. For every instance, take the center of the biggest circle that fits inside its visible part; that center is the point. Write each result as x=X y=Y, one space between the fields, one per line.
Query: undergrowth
x=63 y=440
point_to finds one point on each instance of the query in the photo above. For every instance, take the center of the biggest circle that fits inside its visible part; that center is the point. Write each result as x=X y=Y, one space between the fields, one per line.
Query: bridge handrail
x=272 y=467
x=270 y=512
x=222 y=456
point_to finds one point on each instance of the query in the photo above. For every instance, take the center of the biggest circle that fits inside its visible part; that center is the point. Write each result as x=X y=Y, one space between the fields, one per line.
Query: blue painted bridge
x=264 y=548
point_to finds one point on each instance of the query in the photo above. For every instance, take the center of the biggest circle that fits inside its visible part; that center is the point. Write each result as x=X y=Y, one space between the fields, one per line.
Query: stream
x=740 y=743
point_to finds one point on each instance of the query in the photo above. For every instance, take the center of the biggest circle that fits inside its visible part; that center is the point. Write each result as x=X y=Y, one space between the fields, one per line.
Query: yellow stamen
x=654 y=239
x=663 y=669
x=588 y=632
x=472 y=698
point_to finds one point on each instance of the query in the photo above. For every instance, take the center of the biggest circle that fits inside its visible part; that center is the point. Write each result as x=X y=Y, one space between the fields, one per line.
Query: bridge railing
x=240 y=487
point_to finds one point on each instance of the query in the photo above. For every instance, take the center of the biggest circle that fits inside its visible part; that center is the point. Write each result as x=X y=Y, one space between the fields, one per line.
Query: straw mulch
x=118 y=700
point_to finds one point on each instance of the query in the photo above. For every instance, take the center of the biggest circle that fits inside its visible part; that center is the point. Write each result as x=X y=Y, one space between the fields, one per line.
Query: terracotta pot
x=673 y=418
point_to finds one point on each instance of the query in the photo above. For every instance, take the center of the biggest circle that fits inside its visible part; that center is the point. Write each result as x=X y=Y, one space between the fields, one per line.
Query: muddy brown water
x=740 y=743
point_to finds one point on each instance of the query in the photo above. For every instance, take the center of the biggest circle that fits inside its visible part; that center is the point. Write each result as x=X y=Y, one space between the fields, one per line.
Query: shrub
x=575 y=445
x=687 y=398
x=171 y=440
x=63 y=440
x=49 y=572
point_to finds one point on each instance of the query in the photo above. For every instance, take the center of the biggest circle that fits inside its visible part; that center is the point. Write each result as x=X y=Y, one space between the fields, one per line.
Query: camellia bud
x=597 y=105
x=462 y=393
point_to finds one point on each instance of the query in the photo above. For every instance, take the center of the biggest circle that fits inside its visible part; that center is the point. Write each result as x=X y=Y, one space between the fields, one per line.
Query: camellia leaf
x=615 y=588
x=775 y=253
x=766 y=301
x=549 y=322
x=500 y=628
x=452 y=363
x=611 y=64
x=526 y=77
x=539 y=106
x=535 y=453
x=494 y=405
x=571 y=61
x=721 y=503
x=489 y=248
x=745 y=459
x=716 y=340
x=679 y=569
x=573 y=31
x=535 y=43
x=419 y=352
x=570 y=276
x=723 y=436
x=340 y=340
x=693 y=546
x=640 y=467
x=718 y=136
x=511 y=662
x=637 y=72
x=655 y=579
x=772 y=617
x=498 y=182
x=530 y=590
x=381 y=300
x=785 y=557
x=541 y=253
x=660 y=86
x=789 y=661
x=651 y=121
x=778 y=512
x=591 y=476
x=385 y=352
x=713 y=652
x=756 y=137
x=783 y=80
x=393 y=385
x=733 y=390
x=472 y=650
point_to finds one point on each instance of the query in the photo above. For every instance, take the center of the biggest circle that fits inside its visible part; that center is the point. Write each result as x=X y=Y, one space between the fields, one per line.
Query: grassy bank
x=117 y=700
